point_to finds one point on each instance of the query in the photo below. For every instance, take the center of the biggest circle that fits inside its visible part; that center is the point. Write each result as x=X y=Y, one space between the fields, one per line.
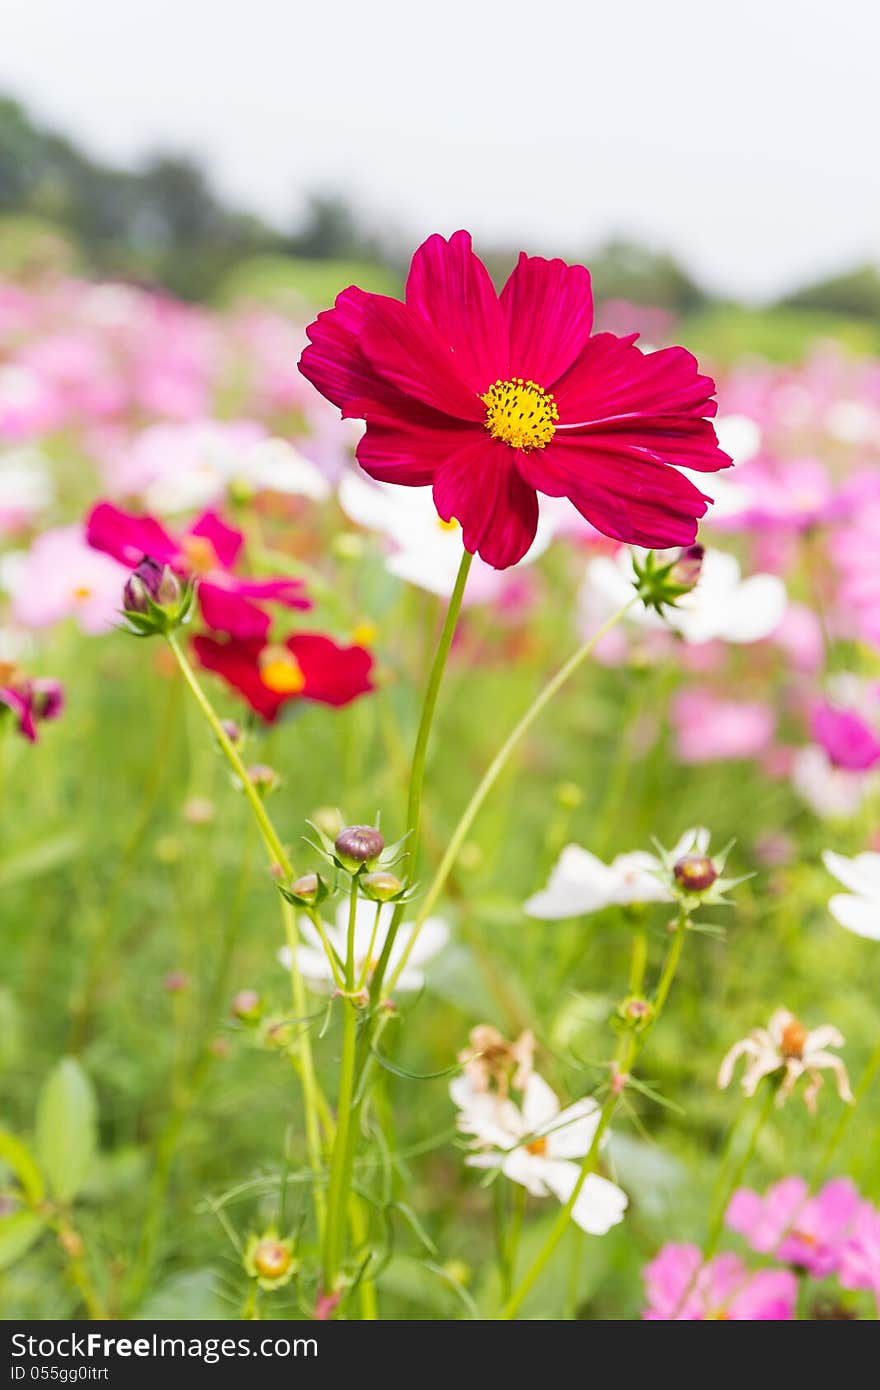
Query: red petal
x=450 y=287
x=227 y=611
x=333 y=675
x=410 y=451
x=237 y=663
x=225 y=542
x=613 y=380
x=549 y=310
x=479 y=486
x=129 y=538
x=408 y=353
x=334 y=363
x=630 y=495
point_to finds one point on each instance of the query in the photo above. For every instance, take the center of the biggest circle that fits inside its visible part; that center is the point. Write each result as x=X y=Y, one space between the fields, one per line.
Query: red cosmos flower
x=306 y=666
x=208 y=550
x=31 y=699
x=491 y=399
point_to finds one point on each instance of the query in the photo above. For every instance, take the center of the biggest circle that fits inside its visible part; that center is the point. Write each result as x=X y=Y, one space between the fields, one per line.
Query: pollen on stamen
x=520 y=413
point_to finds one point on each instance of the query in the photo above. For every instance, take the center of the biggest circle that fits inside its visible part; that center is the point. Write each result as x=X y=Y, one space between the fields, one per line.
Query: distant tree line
x=162 y=222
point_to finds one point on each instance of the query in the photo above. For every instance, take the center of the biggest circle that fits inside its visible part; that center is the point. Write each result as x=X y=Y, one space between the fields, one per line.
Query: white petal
x=540 y=1104
x=755 y=610
x=860 y=875
x=571 y=1133
x=859 y=915
x=527 y=1169
x=579 y=883
x=600 y=1203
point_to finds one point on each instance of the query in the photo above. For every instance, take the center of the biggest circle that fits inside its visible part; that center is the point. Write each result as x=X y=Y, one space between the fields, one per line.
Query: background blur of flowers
x=153 y=301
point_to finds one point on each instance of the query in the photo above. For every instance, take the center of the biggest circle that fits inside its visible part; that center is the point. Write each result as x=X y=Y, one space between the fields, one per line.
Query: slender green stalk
x=340 y=1167
x=717 y=1227
x=865 y=1082
x=493 y=772
x=628 y=1053
x=305 y=1060
x=417 y=773
x=270 y=835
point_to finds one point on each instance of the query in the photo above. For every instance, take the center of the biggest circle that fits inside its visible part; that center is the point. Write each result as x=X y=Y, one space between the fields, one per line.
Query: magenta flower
x=680 y=1290
x=848 y=741
x=860 y=1257
x=31 y=699
x=492 y=399
x=207 y=551
x=807 y=1232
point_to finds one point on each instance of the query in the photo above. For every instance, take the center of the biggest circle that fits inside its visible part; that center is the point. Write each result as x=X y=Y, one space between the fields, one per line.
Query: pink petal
x=450 y=288
x=226 y=611
x=410 y=355
x=549 y=310
x=129 y=538
x=479 y=486
x=288 y=592
x=225 y=541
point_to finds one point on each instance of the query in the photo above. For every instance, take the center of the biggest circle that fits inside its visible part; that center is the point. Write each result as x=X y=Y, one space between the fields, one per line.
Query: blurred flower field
x=675 y=875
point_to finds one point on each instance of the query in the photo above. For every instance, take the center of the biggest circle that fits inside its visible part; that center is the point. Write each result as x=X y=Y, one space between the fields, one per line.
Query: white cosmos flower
x=582 y=883
x=25 y=485
x=536 y=1145
x=191 y=465
x=723 y=606
x=859 y=909
x=315 y=966
x=427 y=550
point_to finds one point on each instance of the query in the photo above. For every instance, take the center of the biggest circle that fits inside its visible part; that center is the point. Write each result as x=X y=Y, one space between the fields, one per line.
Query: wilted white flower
x=316 y=968
x=859 y=909
x=582 y=883
x=536 y=1145
x=787 y=1046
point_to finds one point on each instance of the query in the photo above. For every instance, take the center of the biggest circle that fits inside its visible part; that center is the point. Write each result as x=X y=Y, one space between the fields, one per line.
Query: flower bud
x=264 y=778
x=246 y=1006
x=199 y=810
x=686 y=570
x=695 y=873
x=381 y=886
x=307 y=887
x=232 y=731
x=150 y=582
x=270 y=1260
x=357 y=845
x=176 y=982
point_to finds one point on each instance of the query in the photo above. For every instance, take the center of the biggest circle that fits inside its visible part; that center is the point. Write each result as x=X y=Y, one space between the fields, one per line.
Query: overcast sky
x=742 y=134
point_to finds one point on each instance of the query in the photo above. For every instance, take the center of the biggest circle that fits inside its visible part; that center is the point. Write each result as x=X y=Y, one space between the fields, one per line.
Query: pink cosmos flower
x=492 y=399
x=31 y=699
x=723 y=1289
x=860 y=1257
x=61 y=576
x=208 y=551
x=846 y=738
x=306 y=666
x=808 y=1232
x=710 y=729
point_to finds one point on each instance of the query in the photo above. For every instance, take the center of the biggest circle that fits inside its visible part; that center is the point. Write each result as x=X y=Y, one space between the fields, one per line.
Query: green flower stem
x=306 y=1065
x=638 y=961
x=493 y=772
x=276 y=849
x=341 y=1163
x=865 y=1082
x=417 y=773
x=628 y=1053
x=717 y=1227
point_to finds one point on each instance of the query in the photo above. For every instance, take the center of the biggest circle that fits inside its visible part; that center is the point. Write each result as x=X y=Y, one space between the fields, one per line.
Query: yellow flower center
x=81 y=593
x=200 y=554
x=521 y=413
x=452 y=524
x=538 y=1147
x=280 y=671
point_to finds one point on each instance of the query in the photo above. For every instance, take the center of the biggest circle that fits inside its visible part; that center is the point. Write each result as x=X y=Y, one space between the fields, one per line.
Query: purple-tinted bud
x=688 y=567
x=48 y=697
x=231 y=730
x=695 y=873
x=264 y=778
x=359 y=843
x=307 y=887
x=176 y=982
x=150 y=581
